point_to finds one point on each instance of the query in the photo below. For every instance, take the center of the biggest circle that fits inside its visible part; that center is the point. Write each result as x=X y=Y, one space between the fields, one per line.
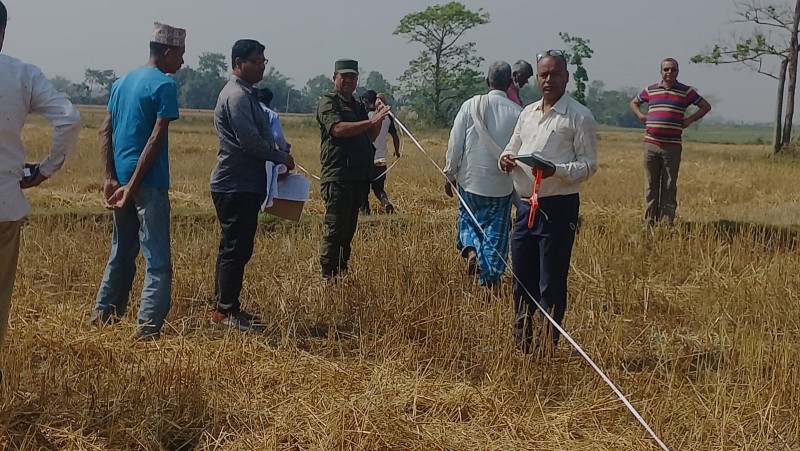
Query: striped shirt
x=666 y=111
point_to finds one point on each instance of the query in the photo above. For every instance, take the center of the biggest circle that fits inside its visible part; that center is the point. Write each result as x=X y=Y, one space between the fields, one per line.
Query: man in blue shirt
x=265 y=98
x=134 y=149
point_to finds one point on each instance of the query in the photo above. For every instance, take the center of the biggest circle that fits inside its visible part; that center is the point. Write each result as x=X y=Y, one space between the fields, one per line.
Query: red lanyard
x=535 y=198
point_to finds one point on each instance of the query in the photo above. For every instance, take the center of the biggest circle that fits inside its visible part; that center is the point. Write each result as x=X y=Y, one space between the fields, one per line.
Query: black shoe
x=253 y=318
x=329 y=274
x=388 y=208
x=146 y=335
x=241 y=320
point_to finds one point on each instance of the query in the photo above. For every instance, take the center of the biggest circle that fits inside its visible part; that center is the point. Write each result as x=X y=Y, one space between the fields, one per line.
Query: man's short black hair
x=522 y=68
x=3 y=16
x=370 y=96
x=264 y=96
x=245 y=48
x=157 y=49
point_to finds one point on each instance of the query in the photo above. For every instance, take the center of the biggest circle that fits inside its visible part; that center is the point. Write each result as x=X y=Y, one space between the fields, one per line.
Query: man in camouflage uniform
x=346 y=133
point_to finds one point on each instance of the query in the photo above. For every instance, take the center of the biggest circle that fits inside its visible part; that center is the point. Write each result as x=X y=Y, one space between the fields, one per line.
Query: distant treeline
x=200 y=85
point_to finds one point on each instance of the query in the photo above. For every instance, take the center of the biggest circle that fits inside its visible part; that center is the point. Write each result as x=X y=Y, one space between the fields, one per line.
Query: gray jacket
x=245 y=141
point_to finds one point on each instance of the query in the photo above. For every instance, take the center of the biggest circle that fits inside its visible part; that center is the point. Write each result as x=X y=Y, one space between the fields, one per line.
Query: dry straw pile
x=697 y=325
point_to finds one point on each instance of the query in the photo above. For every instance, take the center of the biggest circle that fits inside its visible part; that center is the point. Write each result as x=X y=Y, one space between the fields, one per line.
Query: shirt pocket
x=557 y=140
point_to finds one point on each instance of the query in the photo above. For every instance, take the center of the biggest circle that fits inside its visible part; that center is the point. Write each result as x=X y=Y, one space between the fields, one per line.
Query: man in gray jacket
x=239 y=180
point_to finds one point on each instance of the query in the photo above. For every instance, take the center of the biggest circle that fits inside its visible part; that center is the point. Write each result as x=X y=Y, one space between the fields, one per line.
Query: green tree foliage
x=98 y=85
x=530 y=93
x=445 y=73
x=199 y=88
x=61 y=83
x=76 y=92
x=317 y=87
x=766 y=41
x=577 y=51
x=378 y=83
x=612 y=107
x=285 y=97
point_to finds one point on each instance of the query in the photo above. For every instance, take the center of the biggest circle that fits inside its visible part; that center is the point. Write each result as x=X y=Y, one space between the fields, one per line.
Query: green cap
x=346 y=66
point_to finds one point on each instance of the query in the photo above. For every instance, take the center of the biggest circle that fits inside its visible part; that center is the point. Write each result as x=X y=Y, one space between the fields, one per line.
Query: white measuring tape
x=400 y=149
x=563 y=332
x=316 y=177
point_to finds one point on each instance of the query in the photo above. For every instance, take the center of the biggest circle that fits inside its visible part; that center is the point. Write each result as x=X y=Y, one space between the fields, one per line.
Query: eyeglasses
x=670 y=69
x=263 y=61
x=541 y=55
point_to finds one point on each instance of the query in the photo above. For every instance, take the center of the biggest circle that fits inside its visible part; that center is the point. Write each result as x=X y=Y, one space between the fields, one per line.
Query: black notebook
x=533 y=160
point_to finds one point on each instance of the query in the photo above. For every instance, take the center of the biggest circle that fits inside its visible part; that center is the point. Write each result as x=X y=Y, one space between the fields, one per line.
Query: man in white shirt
x=560 y=130
x=23 y=90
x=381 y=143
x=481 y=130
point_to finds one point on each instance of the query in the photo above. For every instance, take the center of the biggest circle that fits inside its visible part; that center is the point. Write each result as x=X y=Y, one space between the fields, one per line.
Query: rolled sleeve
x=456 y=144
x=515 y=143
x=62 y=115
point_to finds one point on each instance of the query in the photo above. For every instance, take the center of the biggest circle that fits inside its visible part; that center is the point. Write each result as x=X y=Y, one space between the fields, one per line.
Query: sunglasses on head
x=541 y=55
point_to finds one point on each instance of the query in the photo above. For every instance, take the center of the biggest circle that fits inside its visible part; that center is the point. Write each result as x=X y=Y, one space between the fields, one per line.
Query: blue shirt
x=277 y=130
x=136 y=101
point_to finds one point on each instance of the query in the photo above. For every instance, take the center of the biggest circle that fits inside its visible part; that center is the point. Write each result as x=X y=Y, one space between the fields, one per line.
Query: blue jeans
x=143 y=221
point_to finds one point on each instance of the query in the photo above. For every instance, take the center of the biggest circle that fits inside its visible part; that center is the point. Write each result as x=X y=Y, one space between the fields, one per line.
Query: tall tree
x=377 y=82
x=318 y=87
x=612 y=107
x=199 y=88
x=62 y=84
x=445 y=73
x=212 y=63
x=285 y=97
x=98 y=82
x=578 y=50
x=76 y=92
x=769 y=46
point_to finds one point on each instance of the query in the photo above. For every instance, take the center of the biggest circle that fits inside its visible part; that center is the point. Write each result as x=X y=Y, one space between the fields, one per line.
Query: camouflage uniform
x=345 y=178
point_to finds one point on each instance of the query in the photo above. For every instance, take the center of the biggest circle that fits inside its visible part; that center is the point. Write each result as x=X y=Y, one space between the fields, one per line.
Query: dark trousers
x=238 y=217
x=342 y=201
x=378 y=186
x=540 y=257
x=661 y=165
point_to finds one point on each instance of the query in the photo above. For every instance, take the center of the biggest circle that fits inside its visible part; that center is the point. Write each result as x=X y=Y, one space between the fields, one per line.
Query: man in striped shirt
x=664 y=124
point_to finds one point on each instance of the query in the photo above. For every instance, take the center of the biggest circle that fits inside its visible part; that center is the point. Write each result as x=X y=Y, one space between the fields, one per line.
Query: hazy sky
x=304 y=37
